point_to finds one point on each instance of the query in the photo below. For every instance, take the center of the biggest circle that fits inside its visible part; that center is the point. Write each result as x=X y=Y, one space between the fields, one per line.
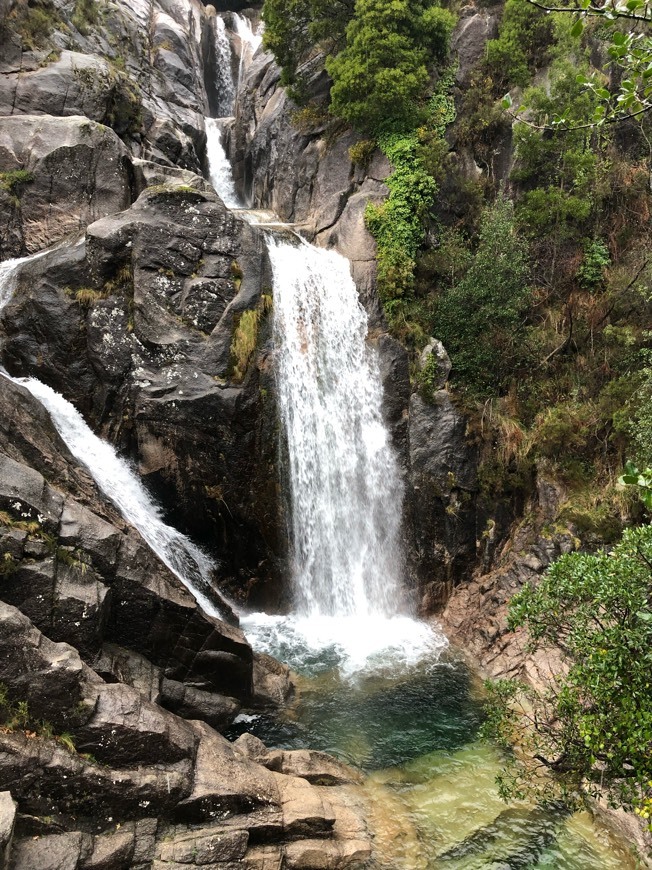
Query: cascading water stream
x=345 y=486
x=114 y=476
x=226 y=87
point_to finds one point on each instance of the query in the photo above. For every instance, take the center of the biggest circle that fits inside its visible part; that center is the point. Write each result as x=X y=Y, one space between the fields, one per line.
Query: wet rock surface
x=95 y=772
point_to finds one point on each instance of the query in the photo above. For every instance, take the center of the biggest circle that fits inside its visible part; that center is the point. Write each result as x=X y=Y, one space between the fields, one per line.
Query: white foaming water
x=344 y=482
x=9 y=275
x=114 y=476
x=345 y=487
x=219 y=167
x=226 y=87
x=250 y=40
x=355 y=645
x=120 y=483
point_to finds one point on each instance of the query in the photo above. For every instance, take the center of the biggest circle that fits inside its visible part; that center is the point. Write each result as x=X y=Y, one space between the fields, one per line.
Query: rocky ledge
x=113 y=683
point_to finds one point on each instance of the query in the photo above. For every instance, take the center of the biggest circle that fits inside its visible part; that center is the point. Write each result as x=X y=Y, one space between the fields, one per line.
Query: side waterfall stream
x=377 y=688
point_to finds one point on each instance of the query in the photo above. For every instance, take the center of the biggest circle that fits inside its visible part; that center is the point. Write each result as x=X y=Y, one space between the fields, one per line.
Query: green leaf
x=577 y=28
x=506 y=102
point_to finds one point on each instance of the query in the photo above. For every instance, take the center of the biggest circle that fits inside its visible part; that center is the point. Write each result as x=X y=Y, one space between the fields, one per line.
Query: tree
x=481 y=320
x=627 y=92
x=381 y=76
x=293 y=27
x=590 y=731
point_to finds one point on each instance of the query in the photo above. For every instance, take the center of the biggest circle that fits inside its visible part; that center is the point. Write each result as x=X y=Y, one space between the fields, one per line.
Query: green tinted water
x=431 y=791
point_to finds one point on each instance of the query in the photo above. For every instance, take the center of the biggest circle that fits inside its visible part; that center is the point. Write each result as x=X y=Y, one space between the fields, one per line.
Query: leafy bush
x=481 y=319
x=380 y=78
x=293 y=27
x=85 y=15
x=590 y=731
x=596 y=259
x=525 y=33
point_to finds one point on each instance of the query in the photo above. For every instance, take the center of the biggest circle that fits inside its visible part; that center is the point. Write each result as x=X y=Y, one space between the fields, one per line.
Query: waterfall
x=219 y=168
x=344 y=482
x=114 y=476
x=250 y=41
x=223 y=73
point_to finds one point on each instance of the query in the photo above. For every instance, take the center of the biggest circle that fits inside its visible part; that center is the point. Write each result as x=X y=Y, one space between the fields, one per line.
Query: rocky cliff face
x=113 y=678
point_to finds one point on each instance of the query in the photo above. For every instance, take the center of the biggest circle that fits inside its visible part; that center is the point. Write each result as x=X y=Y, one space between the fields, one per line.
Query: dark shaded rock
x=58 y=852
x=110 y=852
x=51 y=677
x=24 y=493
x=443 y=476
x=118 y=665
x=124 y=729
x=469 y=39
x=395 y=375
x=190 y=703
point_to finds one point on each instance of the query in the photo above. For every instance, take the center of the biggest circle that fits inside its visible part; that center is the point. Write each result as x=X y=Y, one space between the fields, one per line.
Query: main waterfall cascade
x=345 y=486
x=345 y=489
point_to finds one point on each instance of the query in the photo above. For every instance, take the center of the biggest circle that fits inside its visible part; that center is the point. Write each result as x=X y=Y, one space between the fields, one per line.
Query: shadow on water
x=375 y=722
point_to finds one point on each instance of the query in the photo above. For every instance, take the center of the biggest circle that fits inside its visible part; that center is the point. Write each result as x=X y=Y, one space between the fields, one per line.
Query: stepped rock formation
x=113 y=677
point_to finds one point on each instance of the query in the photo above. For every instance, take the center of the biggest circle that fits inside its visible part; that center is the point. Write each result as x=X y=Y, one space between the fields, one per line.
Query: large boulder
x=73 y=172
x=135 y=325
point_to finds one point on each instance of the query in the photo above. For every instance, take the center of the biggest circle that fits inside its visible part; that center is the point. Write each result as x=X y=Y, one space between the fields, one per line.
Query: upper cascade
x=226 y=87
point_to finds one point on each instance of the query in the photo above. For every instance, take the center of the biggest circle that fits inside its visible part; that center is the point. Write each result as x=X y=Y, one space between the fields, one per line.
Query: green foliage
x=642 y=480
x=361 y=153
x=34 y=22
x=293 y=27
x=245 y=338
x=525 y=33
x=85 y=15
x=380 y=78
x=14 y=180
x=640 y=423
x=481 y=318
x=596 y=259
x=590 y=731
x=397 y=224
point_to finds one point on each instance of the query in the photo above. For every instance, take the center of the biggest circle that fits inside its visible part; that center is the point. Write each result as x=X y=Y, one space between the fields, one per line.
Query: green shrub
x=85 y=15
x=525 y=33
x=596 y=259
x=380 y=78
x=397 y=224
x=481 y=319
x=361 y=153
x=13 y=181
